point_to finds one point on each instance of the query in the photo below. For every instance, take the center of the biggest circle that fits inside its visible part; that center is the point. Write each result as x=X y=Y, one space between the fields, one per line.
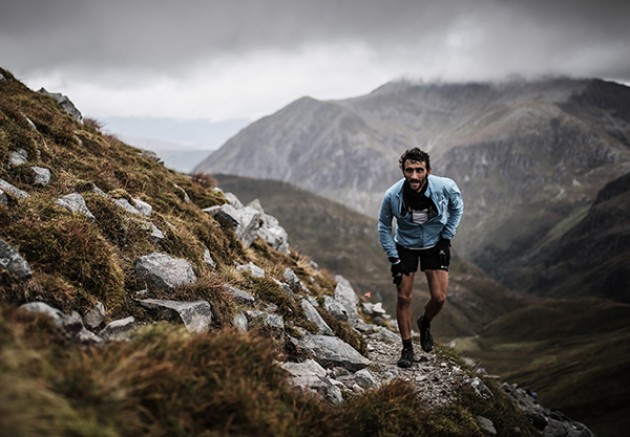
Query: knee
x=404 y=300
x=439 y=299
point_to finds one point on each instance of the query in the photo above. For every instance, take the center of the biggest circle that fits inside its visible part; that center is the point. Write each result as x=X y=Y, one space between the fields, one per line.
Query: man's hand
x=397 y=272
x=444 y=251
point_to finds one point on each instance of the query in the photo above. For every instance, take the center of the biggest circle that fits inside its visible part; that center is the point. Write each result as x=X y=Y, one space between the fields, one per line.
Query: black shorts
x=429 y=259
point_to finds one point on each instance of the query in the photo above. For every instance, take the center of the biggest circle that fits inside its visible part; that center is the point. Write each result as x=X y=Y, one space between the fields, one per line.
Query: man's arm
x=455 y=211
x=385 y=237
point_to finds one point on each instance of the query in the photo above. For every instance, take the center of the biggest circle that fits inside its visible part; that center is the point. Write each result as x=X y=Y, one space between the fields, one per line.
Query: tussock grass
x=165 y=381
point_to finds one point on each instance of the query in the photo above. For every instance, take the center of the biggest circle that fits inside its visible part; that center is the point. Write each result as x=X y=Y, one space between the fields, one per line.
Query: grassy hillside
x=163 y=380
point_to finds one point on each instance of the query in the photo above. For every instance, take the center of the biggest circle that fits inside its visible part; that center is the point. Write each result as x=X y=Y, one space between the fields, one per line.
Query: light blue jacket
x=443 y=221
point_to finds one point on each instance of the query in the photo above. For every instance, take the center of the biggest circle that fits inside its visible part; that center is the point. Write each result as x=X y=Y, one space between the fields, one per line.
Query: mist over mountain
x=529 y=156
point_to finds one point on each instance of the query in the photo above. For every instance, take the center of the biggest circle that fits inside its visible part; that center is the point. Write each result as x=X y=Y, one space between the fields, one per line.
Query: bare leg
x=403 y=305
x=438 y=286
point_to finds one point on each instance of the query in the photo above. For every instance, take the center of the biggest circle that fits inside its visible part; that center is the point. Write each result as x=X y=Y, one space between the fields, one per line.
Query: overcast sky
x=221 y=60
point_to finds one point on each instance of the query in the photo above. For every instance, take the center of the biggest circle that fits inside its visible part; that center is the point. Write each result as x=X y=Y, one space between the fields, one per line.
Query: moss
x=71 y=246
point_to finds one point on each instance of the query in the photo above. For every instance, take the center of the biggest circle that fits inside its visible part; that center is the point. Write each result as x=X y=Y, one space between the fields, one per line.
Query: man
x=427 y=210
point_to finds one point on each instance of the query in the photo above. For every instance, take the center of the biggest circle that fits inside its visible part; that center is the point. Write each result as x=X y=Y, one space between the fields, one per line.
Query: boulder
x=252 y=268
x=365 y=379
x=66 y=104
x=309 y=375
x=95 y=316
x=312 y=315
x=12 y=190
x=335 y=308
x=233 y=200
x=207 y=258
x=275 y=235
x=345 y=295
x=13 y=263
x=118 y=330
x=71 y=325
x=196 y=315
x=270 y=320
x=240 y=322
x=332 y=351
x=127 y=206
x=43 y=308
x=74 y=202
x=142 y=206
x=41 y=176
x=161 y=272
x=240 y=296
x=18 y=157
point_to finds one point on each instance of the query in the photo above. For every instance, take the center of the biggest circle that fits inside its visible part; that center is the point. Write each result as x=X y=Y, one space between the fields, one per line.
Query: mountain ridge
x=526 y=154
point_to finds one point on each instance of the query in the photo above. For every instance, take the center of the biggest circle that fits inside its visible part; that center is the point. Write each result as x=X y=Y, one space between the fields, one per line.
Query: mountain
x=135 y=300
x=586 y=254
x=530 y=157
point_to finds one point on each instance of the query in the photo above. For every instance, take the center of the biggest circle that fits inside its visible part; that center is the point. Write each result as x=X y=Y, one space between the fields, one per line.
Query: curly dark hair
x=415 y=154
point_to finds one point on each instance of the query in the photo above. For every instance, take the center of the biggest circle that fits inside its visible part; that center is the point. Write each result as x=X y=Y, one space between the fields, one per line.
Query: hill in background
x=530 y=158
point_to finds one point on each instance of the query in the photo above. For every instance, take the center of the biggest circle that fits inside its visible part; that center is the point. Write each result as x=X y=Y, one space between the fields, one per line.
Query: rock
x=335 y=308
x=156 y=233
x=207 y=258
x=75 y=203
x=18 y=157
x=332 y=351
x=66 y=104
x=41 y=176
x=312 y=315
x=240 y=296
x=486 y=425
x=270 y=230
x=118 y=330
x=284 y=287
x=127 y=206
x=306 y=373
x=71 y=325
x=365 y=379
x=161 y=272
x=290 y=277
x=310 y=376
x=13 y=263
x=233 y=200
x=481 y=388
x=182 y=194
x=345 y=295
x=375 y=309
x=196 y=315
x=273 y=321
x=240 y=322
x=95 y=316
x=12 y=190
x=246 y=221
x=4 y=200
x=143 y=207
x=552 y=423
x=43 y=308
x=252 y=268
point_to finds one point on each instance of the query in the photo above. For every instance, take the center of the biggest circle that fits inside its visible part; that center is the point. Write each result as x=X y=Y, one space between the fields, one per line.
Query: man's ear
x=429 y=171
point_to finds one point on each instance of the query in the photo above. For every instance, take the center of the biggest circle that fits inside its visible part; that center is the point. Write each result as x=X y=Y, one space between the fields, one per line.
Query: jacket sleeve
x=385 y=219
x=455 y=210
